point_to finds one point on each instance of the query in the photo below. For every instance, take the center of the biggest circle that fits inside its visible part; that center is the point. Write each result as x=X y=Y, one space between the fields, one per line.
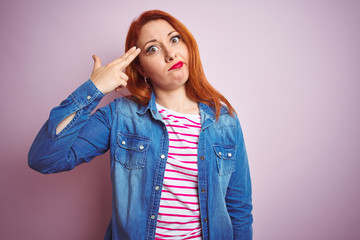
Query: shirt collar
x=207 y=113
x=151 y=107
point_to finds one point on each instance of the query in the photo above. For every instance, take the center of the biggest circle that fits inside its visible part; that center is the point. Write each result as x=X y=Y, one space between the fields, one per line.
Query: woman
x=179 y=167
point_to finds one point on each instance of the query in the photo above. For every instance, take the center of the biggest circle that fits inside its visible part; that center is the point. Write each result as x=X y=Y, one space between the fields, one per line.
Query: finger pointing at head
x=118 y=60
x=129 y=58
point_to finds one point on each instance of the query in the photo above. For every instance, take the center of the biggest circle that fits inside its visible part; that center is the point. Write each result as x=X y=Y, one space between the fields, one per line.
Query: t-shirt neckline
x=177 y=113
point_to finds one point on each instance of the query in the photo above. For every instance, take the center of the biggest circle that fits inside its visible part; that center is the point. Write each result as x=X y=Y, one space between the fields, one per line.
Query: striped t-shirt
x=179 y=212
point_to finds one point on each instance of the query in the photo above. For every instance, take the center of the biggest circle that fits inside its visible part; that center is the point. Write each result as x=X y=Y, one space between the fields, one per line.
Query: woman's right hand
x=111 y=76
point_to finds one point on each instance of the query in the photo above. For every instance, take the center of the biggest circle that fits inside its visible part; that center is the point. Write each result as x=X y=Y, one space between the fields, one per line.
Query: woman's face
x=164 y=56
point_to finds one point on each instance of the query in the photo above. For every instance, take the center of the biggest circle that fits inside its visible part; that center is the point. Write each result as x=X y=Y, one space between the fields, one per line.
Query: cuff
x=87 y=95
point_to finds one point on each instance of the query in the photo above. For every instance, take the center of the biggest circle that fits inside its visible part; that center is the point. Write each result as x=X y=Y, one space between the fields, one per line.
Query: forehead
x=155 y=29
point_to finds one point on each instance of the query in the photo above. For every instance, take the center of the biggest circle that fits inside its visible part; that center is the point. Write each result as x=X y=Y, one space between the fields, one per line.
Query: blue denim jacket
x=223 y=170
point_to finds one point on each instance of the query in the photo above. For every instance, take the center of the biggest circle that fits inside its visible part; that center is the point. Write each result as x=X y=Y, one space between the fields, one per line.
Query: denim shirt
x=139 y=143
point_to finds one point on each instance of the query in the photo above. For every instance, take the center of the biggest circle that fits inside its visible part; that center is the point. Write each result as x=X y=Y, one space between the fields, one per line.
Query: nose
x=170 y=54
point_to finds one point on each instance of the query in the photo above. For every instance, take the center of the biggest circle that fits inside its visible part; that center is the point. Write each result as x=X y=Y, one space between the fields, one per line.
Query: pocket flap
x=133 y=142
x=225 y=152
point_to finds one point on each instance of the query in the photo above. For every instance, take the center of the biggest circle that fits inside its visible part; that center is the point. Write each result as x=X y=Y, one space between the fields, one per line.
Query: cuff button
x=88 y=97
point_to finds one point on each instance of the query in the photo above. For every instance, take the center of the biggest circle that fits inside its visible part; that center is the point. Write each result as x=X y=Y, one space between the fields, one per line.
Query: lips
x=177 y=65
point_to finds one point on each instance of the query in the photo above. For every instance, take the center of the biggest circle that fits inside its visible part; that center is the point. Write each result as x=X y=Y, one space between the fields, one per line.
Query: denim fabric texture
x=138 y=142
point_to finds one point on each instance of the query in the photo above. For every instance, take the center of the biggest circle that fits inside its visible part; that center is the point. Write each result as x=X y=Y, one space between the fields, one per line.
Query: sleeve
x=238 y=196
x=85 y=137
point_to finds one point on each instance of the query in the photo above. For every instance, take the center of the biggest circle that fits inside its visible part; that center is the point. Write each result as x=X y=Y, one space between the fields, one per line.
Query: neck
x=176 y=100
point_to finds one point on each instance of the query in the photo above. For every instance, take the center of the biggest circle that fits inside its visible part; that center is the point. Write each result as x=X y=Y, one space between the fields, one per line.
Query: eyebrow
x=154 y=40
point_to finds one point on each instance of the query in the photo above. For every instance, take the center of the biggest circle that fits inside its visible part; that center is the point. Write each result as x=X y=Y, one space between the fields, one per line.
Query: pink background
x=290 y=68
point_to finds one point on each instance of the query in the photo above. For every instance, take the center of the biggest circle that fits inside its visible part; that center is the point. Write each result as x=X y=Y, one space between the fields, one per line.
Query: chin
x=178 y=84
x=182 y=77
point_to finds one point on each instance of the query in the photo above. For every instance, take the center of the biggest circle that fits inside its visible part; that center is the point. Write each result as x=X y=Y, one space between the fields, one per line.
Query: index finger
x=119 y=59
x=129 y=58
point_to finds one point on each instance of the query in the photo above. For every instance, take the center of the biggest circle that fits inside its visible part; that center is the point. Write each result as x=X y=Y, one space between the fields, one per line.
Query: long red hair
x=197 y=86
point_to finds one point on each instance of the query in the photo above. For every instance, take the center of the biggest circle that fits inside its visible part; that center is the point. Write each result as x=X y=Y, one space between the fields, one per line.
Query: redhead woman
x=179 y=166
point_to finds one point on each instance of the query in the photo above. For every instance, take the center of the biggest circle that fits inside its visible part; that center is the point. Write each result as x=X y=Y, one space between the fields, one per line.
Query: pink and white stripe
x=179 y=212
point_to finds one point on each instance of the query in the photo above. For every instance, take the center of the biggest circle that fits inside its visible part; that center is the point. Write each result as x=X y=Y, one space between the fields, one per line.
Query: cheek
x=146 y=64
x=153 y=62
x=184 y=51
x=152 y=68
x=149 y=67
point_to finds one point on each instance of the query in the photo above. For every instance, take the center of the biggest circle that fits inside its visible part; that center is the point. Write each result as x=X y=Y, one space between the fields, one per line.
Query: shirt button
x=229 y=154
x=141 y=147
x=162 y=156
x=205 y=220
x=157 y=188
x=203 y=190
x=88 y=97
x=152 y=217
x=220 y=153
x=123 y=142
x=202 y=157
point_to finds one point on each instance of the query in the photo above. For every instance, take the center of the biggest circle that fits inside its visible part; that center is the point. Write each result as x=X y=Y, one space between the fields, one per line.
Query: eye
x=152 y=49
x=175 y=39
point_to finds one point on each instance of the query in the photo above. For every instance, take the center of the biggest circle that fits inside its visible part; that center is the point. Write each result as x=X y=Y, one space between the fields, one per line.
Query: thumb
x=97 y=62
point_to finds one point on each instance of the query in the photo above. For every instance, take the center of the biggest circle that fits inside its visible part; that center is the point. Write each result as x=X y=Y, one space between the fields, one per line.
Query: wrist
x=98 y=86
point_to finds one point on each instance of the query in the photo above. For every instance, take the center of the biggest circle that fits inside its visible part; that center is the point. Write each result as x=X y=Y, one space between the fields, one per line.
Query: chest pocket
x=131 y=150
x=225 y=158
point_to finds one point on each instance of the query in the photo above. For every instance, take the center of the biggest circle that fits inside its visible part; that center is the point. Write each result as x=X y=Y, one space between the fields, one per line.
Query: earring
x=147 y=81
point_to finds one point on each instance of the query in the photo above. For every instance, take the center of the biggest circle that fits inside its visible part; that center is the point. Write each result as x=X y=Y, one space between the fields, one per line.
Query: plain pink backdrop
x=290 y=68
